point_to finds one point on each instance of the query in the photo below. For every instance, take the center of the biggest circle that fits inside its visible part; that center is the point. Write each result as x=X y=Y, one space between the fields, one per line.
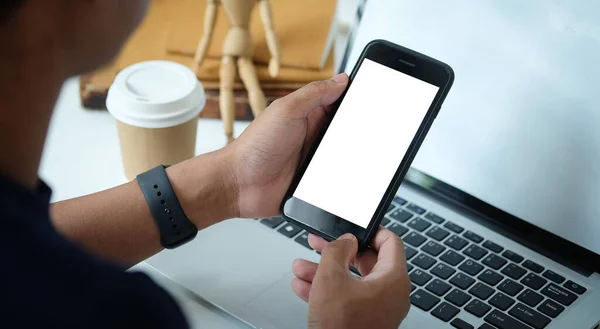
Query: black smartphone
x=355 y=166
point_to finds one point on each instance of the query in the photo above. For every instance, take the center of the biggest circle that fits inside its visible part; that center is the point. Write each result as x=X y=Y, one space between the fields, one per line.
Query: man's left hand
x=266 y=156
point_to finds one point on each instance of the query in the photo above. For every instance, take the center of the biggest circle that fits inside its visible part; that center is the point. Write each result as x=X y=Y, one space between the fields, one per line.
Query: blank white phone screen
x=365 y=142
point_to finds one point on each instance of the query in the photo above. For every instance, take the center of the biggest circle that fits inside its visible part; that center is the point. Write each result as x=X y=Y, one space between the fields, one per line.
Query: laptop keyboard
x=451 y=268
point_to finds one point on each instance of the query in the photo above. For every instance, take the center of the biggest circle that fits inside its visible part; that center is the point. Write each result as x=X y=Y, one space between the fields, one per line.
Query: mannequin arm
x=210 y=18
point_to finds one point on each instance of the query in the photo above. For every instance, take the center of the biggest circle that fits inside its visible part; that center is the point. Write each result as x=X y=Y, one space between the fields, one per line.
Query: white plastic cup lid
x=155 y=94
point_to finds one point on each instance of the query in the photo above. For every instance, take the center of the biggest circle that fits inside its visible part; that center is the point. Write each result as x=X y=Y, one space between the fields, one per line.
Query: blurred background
x=82 y=151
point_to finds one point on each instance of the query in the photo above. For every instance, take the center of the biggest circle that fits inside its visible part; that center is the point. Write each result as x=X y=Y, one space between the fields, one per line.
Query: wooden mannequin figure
x=238 y=46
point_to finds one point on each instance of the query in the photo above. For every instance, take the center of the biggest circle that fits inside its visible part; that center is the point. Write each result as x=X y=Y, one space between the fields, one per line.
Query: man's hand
x=338 y=299
x=265 y=157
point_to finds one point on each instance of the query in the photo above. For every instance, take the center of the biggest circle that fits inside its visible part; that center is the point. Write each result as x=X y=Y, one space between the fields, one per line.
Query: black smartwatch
x=174 y=226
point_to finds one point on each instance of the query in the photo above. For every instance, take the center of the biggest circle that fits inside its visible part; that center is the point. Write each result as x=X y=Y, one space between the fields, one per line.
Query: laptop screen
x=520 y=129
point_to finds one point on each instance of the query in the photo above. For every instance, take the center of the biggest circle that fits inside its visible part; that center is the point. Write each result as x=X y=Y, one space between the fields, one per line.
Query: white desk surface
x=82 y=156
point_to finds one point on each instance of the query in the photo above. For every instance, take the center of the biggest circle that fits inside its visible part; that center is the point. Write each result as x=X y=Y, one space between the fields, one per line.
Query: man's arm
x=117 y=224
x=210 y=18
x=272 y=41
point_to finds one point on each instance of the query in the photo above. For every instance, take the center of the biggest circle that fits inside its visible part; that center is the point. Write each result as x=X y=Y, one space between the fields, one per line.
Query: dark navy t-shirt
x=48 y=282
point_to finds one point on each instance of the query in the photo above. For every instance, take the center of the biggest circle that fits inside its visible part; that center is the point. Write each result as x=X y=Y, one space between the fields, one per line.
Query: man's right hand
x=338 y=299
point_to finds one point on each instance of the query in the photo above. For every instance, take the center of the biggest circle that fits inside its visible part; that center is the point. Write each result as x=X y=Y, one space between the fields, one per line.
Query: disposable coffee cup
x=156 y=105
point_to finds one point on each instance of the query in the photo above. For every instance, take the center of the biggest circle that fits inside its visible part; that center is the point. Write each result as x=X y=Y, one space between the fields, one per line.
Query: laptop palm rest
x=242 y=267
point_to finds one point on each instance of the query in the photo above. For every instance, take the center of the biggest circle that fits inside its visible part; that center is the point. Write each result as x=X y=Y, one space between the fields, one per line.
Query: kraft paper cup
x=156 y=105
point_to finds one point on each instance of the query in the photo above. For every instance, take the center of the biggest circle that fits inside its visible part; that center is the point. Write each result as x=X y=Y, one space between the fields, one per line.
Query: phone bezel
x=330 y=226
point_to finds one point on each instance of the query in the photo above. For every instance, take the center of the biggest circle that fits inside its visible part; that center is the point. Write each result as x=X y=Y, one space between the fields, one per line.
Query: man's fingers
x=365 y=262
x=315 y=94
x=339 y=254
x=390 y=251
x=304 y=270
x=301 y=288
x=316 y=242
x=315 y=120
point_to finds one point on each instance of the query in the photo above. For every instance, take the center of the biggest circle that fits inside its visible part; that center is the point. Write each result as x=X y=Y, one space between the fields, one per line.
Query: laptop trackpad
x=279 y=306
x=242 y=266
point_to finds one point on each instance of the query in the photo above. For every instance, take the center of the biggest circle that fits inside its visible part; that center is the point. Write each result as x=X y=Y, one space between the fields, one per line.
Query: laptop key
x=398 y=229
x=409 y=252
x=437 y=233
x=272 y=222
x=481 y=291
x=442 y=271
x=486 y=326
x=433 y=248
x=513 y=256
x=530 y=297
x=399 y=200
x=534 y=267
x=504 y=321
x=514 y=271
x=493 y=246
x=412 y=287
x=400 y=215
x=423 y=261
x=550 y=308
x=423 y=300
x=390 y=208
x=445 y=312
x=289 y=230
x=534 y=281
x=472 y=236
x=494 y=261
x=471 y=267
x=559 y=294
x=303 y=239
x=414 y=208
x=574 y=287
x=510 y=287
x=451 y=257
x=438 y=287
x=501 y=301
x=419 y=224
x=414 y=239
x=529 y=316
x=434 y=218
x=453 y=227
x=490 y=277
x=461 y=324
x=477 y=308
x=456 y=242
x=409 y=267
x=419 y=277
x=556 y=278
x=384 y=221
x=475 y=252
x=462 y=280
x=457 y=297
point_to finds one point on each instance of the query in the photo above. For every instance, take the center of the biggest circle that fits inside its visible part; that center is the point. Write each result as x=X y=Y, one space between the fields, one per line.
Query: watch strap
x=174 y=226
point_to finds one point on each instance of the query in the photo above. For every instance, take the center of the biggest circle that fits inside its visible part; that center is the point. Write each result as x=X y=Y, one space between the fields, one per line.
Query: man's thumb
x=315 y=94
x=340 y=253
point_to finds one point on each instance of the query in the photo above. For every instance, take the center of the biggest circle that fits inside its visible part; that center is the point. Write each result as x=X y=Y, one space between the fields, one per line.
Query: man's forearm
x=117 y=224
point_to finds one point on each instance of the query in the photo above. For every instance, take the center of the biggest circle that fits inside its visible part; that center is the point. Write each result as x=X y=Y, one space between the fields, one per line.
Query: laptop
x=500 y=214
